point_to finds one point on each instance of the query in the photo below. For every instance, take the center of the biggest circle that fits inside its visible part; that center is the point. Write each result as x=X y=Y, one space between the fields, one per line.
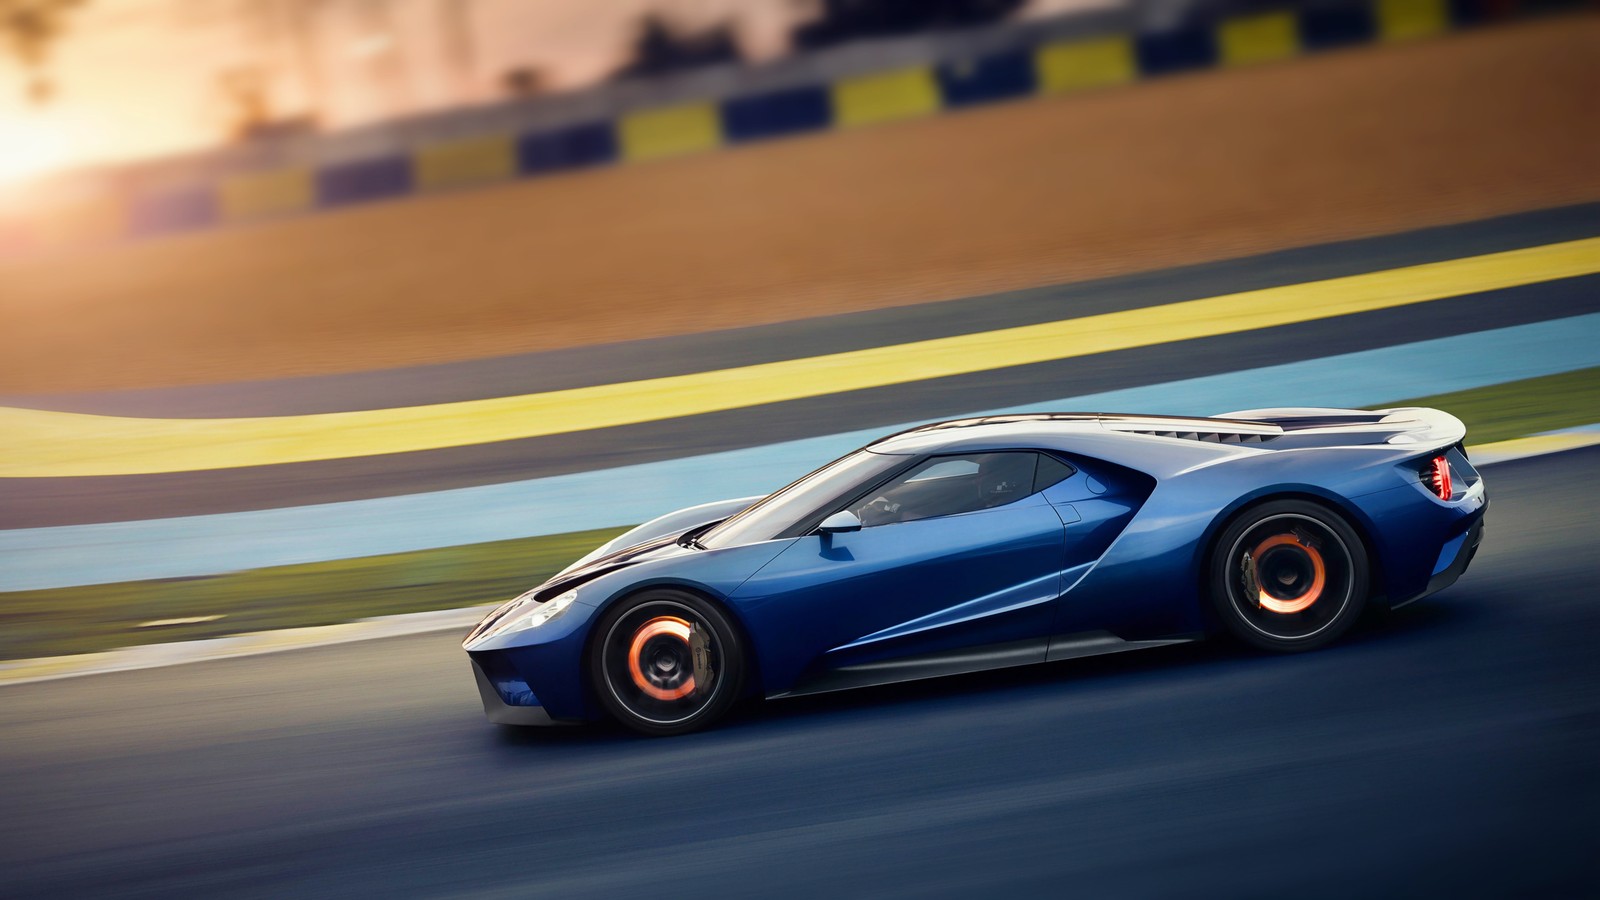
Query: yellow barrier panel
x=468 y=161
x=670 y=131
x=1247 y=40
x=47 y=444
x=266 y=193
x=885 y=97
x=1402 y=20
x=85 y=221
x=1078 y=65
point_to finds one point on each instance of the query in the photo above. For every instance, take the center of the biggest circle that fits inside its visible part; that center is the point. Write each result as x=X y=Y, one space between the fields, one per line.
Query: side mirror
x=840 y=522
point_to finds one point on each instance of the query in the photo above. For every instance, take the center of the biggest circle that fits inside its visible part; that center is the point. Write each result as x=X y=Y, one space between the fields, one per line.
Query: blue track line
x=65 y=556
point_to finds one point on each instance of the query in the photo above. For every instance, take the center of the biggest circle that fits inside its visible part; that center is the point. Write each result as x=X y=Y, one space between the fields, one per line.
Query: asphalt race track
x=1448 y=748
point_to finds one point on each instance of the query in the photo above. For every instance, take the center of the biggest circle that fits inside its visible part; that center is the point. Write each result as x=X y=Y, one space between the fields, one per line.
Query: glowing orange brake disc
x=1310 y=594
x=664 y=626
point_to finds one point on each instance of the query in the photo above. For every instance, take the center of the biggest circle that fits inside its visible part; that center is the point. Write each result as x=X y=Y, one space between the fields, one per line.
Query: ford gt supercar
x=991 y=542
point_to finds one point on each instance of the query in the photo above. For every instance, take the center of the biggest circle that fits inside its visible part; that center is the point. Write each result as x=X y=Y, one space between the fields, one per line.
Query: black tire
x=644 y=668
x=1288 y=575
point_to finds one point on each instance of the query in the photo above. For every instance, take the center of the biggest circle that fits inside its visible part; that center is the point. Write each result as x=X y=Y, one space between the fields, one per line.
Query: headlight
x=539 y=614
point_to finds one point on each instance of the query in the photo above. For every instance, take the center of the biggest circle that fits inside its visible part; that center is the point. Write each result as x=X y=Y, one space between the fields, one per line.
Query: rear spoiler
x=1403 y=427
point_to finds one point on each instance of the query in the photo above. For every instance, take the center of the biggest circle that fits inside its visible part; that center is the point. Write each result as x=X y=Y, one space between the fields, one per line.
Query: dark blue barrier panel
x=364 y=181
x=1505 y=9
x=567 y=148
x=1471 y=12
x=1161 y=52
x=171 y=211
x=776 y=113
x=1336 y=26
x=990 y=78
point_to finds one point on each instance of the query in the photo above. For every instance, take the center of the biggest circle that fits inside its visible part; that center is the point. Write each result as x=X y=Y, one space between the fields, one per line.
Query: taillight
x=1440 y=479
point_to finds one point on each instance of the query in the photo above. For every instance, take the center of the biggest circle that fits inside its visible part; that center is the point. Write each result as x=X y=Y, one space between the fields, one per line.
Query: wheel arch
x=752 y=675
x=1352 y=516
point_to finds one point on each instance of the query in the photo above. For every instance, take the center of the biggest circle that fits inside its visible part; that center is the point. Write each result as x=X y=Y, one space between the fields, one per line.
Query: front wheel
x=1288 y=575
x=667 y=662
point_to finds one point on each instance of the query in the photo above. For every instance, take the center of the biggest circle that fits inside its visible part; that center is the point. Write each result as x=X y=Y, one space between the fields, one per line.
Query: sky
x=136 y=79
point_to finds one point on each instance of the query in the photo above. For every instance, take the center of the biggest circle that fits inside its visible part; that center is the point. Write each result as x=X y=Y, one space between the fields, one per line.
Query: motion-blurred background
x=315 y=311
x=218 y=210
x=345 y=135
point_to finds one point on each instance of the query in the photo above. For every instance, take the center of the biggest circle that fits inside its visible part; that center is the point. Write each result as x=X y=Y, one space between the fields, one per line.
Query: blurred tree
x=844 y=20
x=285 y=45
x=458 y=47
x=523 y=81
x=29 y=29
x=382 y=58
x=660 y=48
x=245 y=100
x=243 y=91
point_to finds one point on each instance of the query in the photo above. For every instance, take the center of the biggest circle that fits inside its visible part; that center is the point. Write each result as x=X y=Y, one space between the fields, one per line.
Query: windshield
x=792 y=505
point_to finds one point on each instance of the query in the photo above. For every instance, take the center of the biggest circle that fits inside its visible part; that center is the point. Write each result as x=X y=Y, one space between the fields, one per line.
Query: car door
x=969 y=555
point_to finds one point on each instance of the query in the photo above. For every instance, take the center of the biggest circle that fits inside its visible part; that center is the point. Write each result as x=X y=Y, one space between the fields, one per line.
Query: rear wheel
x=1288 y=575
x=667 y=662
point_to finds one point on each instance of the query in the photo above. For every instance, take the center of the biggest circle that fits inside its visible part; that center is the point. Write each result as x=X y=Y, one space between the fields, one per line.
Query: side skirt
x=1095 y=643
x=972 y=659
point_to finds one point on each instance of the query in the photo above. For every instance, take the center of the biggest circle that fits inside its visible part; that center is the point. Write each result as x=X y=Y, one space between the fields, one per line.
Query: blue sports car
x=990 y=542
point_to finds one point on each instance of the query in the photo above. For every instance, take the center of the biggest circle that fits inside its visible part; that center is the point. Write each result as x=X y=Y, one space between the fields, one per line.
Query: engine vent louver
x=1214 y=437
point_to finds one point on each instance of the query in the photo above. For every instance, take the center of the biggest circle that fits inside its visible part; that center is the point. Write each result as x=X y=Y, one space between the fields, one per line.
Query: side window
x=947 y=485
x=935 y=469
x=1051 y=472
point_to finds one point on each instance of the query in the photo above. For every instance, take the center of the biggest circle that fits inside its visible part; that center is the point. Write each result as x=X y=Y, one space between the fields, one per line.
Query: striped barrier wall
x=898 y=94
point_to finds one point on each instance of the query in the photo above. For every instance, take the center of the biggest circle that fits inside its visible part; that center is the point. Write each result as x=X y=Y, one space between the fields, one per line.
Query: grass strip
x=102 y=617
x=105 y=616
x=1520 y=408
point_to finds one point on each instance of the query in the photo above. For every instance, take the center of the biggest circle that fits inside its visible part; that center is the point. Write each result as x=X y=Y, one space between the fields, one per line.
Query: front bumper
x=502 y=713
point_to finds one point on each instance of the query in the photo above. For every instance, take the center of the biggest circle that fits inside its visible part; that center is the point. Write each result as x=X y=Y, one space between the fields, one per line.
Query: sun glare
x=30 y=149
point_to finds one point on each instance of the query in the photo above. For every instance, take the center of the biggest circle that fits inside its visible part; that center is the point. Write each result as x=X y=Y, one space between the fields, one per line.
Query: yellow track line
x=44 y=444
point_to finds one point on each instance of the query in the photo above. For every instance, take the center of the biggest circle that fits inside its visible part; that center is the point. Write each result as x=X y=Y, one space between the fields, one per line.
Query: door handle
x=1066 y=512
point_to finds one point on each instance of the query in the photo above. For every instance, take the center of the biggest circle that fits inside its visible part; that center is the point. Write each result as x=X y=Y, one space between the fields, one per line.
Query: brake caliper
x=700 y=653
x=1247 y=571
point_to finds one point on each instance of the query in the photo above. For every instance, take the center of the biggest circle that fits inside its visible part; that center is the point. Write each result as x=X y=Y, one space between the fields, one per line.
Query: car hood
x=659 y=549
x=672 y=524
x=649 y=551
